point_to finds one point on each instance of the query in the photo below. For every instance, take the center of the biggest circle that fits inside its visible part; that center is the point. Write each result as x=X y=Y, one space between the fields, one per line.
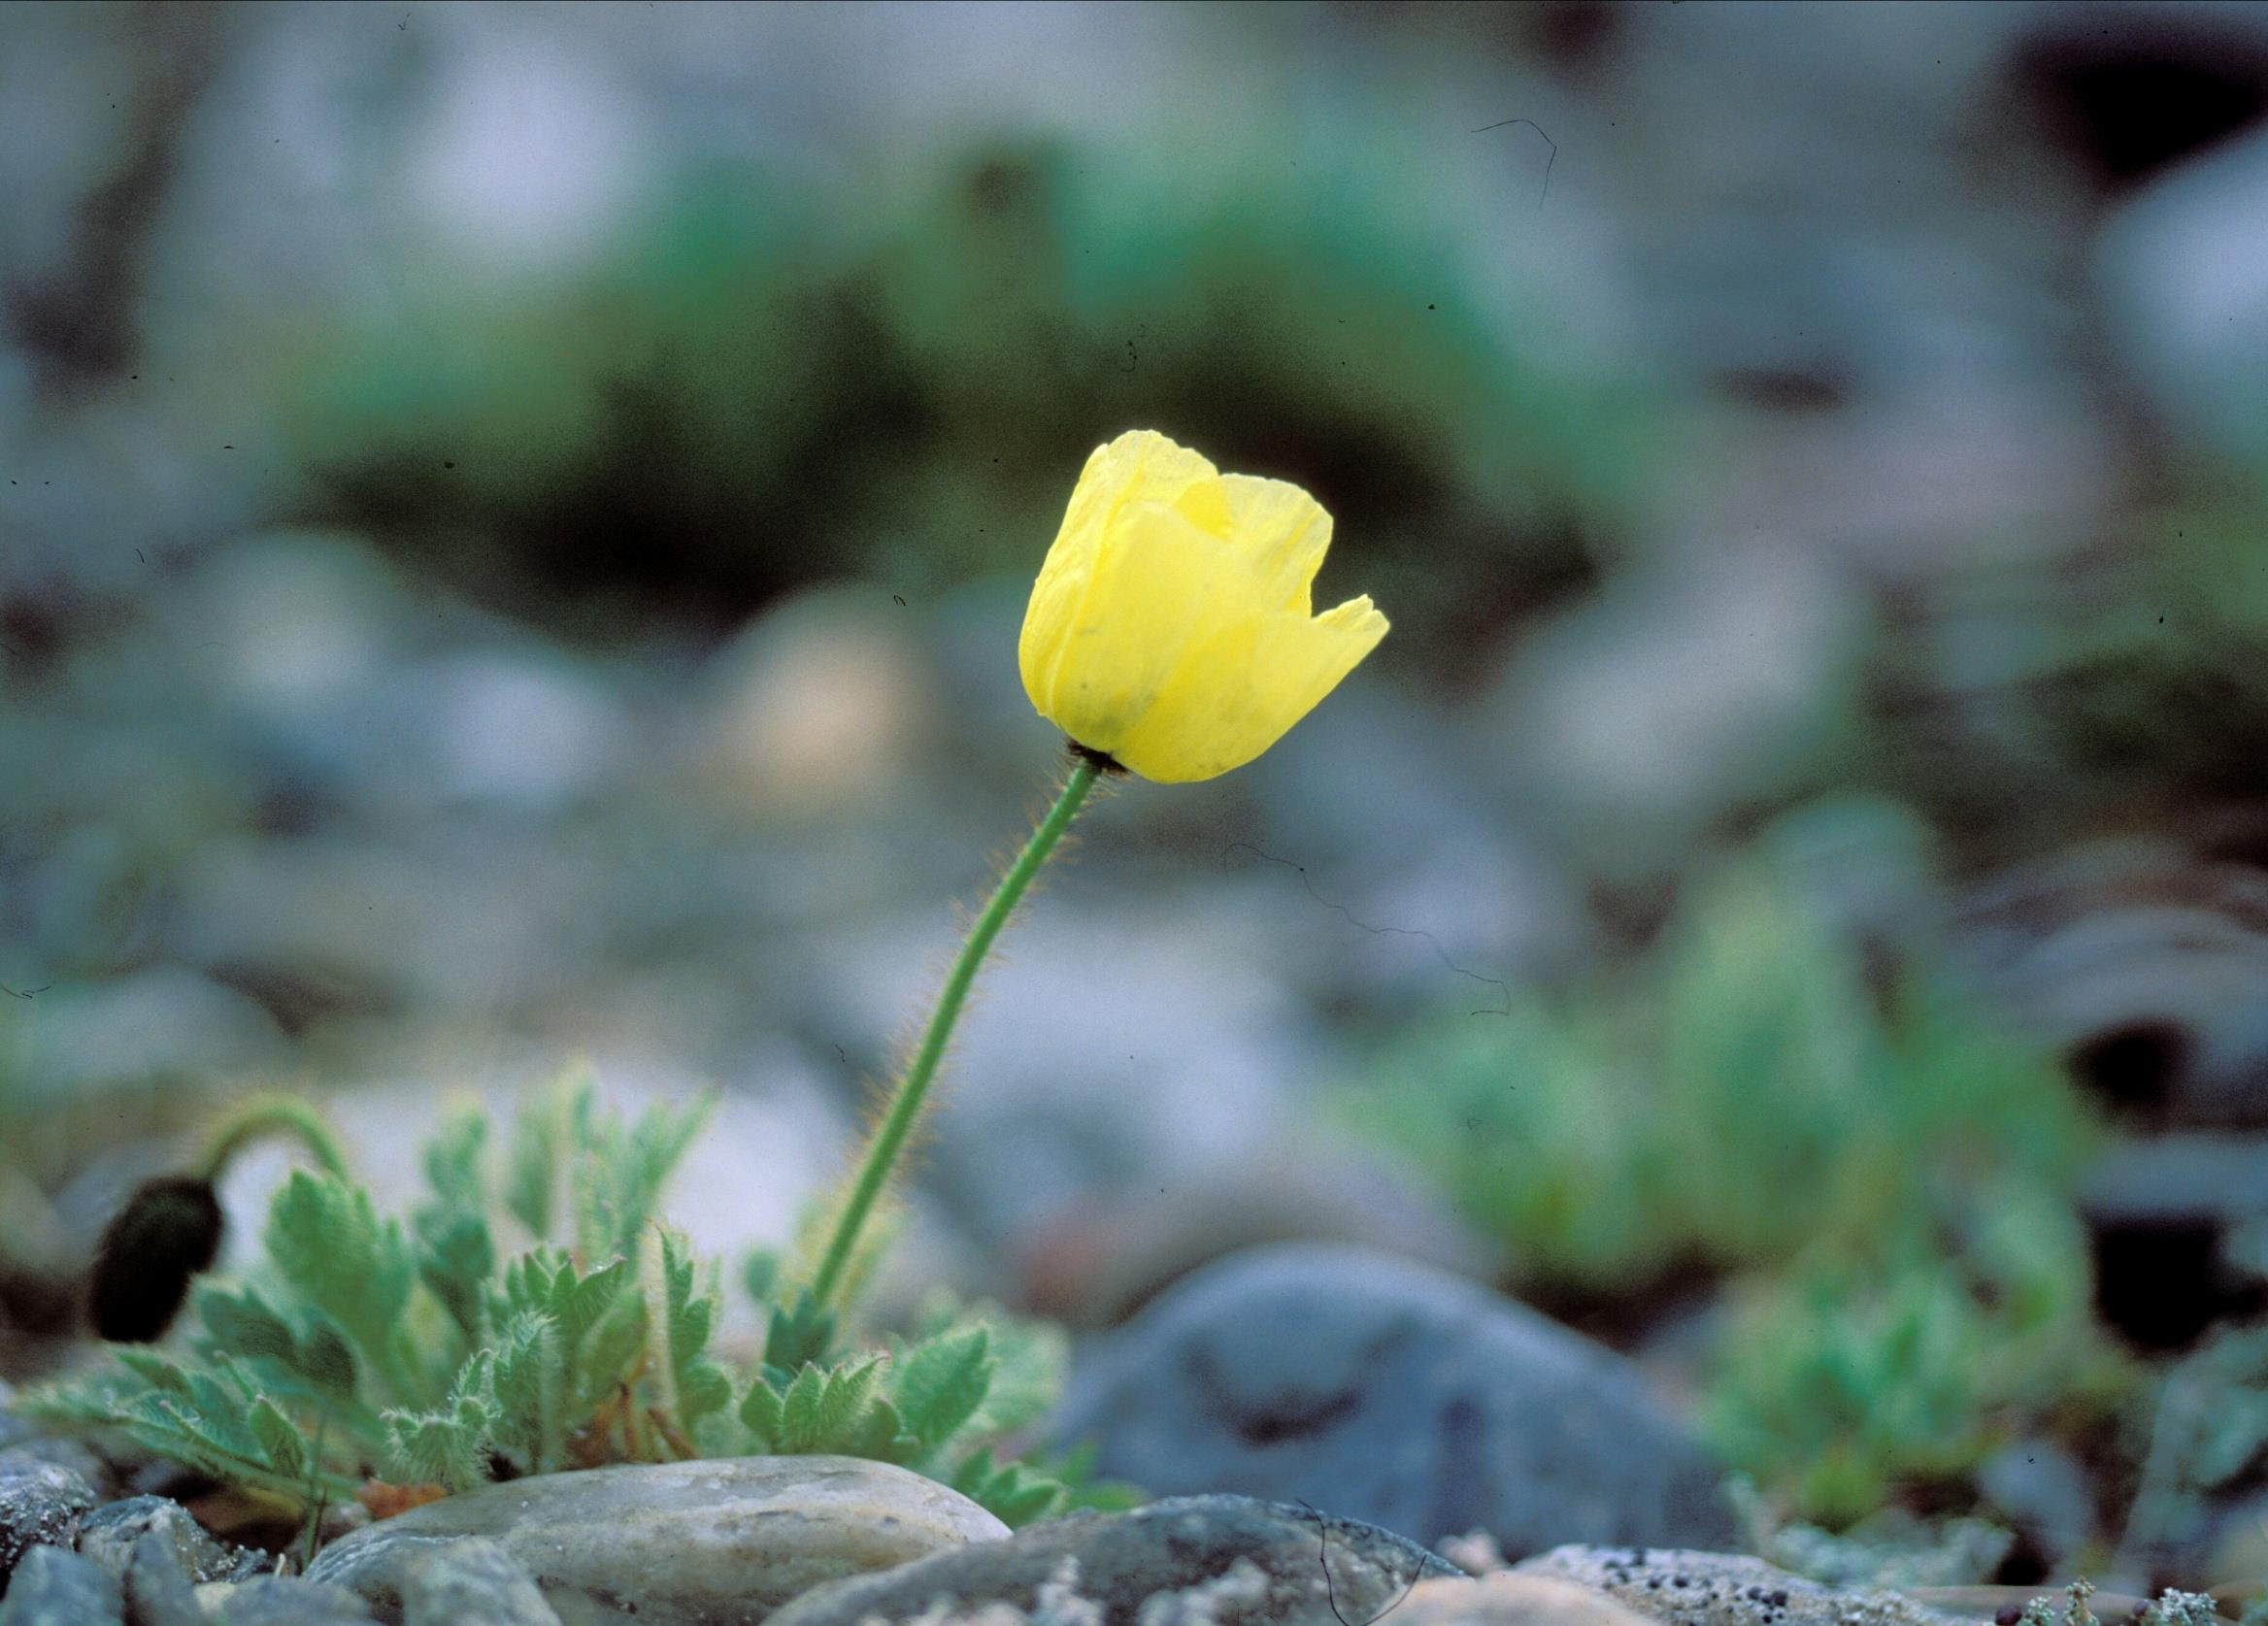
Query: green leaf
x=600 y=1362
x=241 y=1323
x=798 y=1338
x=455 y=1258
x=529 y=1383
x=941 y=1383
x=540 y=1148
x=618 y=1173
x=880 y=1435
x=327 y=1360
x=1033 y=1361
x=760 y=1274
x=765 y=1414
x=453 y=1162
x=801 y=1409
x=1012 y=1493
x=326 y=1239
x=450 y=1444
x=848 y=1394
x=689 y=1385
x=278 y=1437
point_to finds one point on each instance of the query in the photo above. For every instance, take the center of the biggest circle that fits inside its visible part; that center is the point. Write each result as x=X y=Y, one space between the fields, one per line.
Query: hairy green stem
x=272 y=1113
x=889 y=1138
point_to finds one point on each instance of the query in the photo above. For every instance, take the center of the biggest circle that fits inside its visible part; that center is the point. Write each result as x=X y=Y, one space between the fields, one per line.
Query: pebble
x=1233 y=1560
x=56 y=1587
x=1386 y=1391
x=158 y=1590
x=110 y=1534
x=62 y=1451
x=41 y=1504
x=472 y=1582
x=714 y=1542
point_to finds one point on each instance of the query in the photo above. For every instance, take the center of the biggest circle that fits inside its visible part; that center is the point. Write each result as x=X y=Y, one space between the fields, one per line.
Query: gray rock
x=1720 y=1589
x=54 y=1587
x=473 y=1583
x=287 y=1600
x=74 y=1456
x=111 y=1534
x=1385 y=1391
x=716 y=1543
x=41 y=1504
x=158 y=1590
x=1257 y=1562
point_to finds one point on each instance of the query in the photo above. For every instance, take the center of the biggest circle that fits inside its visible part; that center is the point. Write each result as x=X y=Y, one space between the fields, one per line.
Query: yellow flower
x=1170 y=627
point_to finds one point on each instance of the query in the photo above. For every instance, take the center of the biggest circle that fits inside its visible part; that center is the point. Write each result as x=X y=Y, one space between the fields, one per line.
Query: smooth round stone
x=1383 y=1390
x=719 y=1543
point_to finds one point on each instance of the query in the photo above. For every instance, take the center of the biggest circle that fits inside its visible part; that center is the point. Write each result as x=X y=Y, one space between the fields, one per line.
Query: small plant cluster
x=1884 y=1177
x=418 y=1354
x=2208 y=1440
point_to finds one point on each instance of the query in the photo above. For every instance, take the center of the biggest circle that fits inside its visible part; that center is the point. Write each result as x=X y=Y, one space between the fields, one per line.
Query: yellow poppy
x=1170 y=627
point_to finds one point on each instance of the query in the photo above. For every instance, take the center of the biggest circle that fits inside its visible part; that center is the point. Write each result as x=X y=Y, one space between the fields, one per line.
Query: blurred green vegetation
x=1885 y=1175
x=759 y=387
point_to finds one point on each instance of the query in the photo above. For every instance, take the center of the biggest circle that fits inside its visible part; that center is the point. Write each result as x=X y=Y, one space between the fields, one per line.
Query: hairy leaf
x=941 y=1382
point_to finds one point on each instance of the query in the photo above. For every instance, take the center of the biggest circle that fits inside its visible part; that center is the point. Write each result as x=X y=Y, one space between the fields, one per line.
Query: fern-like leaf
x=687 y=1384
x=327 y=1241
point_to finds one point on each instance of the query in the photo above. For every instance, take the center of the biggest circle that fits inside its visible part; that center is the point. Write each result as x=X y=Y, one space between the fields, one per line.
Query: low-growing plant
x=1741 y=1095
x=1882 y=1174
x=1852 y=1376
x=427 y=1353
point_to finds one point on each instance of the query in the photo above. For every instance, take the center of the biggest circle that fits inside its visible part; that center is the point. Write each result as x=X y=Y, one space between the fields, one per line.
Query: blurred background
x=517 y=519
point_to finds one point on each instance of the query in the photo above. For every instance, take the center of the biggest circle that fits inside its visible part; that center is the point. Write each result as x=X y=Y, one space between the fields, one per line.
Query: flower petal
x=1283 y=530
x=1161 y=586
x=1139 y=466
x=1234 y=694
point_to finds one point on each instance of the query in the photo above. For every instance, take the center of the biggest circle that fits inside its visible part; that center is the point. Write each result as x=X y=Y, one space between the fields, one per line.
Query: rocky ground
x=329 y=817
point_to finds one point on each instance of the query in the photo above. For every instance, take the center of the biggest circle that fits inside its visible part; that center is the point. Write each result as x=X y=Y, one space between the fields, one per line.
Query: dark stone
x=56 y=1587
x=1385 y=1391
x=1300 y=1567
x=109 y=1536
x=41 y=1504
x=2160 y=1214
x=75 y=1456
